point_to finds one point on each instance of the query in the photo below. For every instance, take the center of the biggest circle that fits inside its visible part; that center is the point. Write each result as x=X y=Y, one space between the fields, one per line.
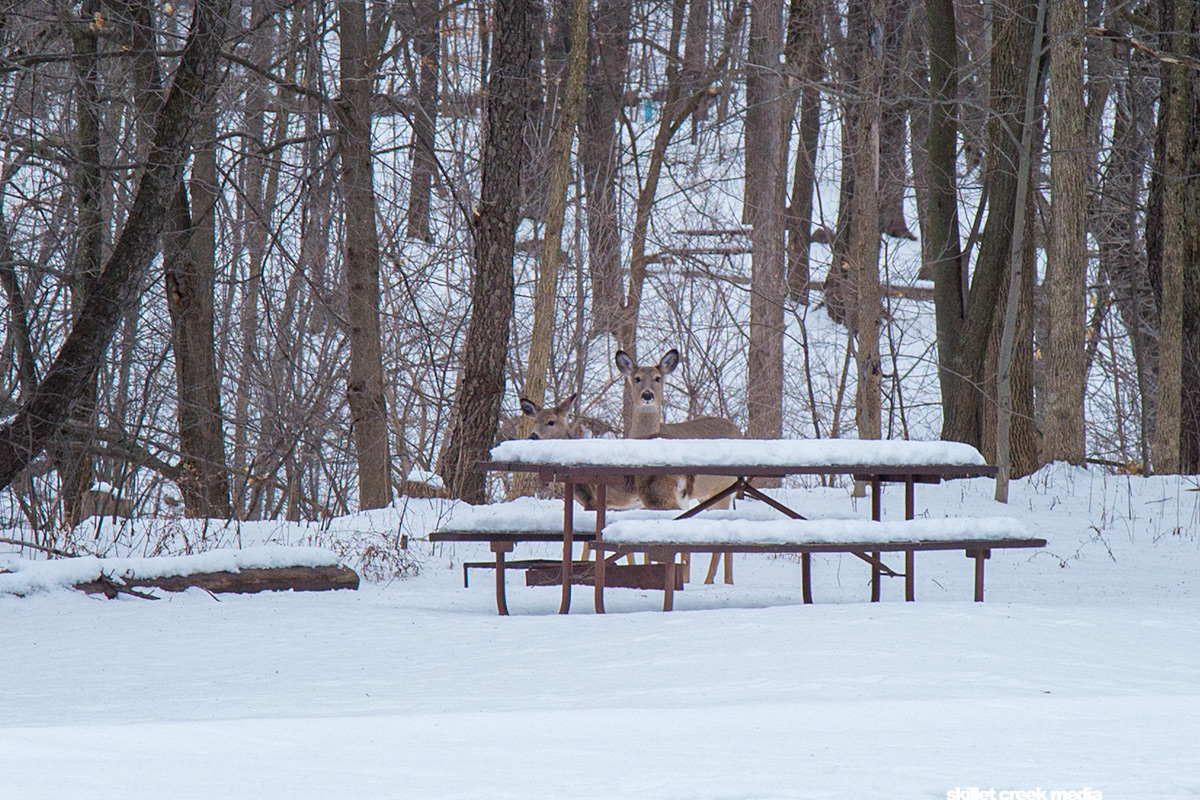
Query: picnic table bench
x=603 y=462
x=868 y=540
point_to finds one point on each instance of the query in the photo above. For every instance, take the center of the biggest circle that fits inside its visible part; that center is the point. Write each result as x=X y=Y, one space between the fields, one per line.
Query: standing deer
x=551 y=423
x=673 y=491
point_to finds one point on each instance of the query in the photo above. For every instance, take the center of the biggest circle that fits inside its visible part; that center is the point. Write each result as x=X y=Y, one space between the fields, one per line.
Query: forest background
x=288 y=259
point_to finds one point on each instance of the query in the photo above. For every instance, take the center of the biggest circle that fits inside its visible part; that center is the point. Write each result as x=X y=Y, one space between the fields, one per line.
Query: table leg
x=910 y=581
x=980 y=557
x=876 y=498
x=598 y=573
x=568 y=544
x=500 y=548
x=806 y=577
x=668 y=561
x=875 y=575
x=910 y=504
x=598 y=580
x=728 y=568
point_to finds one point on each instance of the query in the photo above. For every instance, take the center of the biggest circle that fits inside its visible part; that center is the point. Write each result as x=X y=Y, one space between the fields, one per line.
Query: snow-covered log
x=254 y=569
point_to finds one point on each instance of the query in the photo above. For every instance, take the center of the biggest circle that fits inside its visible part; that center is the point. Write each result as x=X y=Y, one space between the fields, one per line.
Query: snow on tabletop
x=31 y=576
x=817 y=531
x=731 y=452
x=534 y=514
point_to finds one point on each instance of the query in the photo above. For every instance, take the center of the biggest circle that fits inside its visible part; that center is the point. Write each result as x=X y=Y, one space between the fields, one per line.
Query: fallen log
x=244 y=581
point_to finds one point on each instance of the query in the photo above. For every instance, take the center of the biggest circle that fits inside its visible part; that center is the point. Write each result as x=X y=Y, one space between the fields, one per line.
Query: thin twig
x=44 y=548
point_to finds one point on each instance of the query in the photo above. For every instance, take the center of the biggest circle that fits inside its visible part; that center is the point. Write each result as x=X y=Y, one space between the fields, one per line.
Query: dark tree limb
x=50 y=405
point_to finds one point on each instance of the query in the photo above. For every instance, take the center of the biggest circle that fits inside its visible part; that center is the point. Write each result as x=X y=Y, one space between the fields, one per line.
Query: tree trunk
x=893 y=123
x=368 y=408
x=1018 y=274
x=1167 y=234
x=195 y=80
x=764 y=198
x=73 y=456
x=599 y=158
x=189 y=266
x=1012 y=33
x=426 y=48
x=804 y=68
x=481 y=388
x=541 y=340
x=940 y=237
x=1119 y=237
x=560 y=178
x=1066 y=261
x=866 y=17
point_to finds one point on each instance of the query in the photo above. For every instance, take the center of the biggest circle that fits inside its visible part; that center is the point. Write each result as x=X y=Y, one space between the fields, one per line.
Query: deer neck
x=647 y=421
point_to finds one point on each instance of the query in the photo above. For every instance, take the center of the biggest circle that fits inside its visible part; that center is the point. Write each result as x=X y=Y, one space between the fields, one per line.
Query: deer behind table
x=673 y=491
x=552 y=423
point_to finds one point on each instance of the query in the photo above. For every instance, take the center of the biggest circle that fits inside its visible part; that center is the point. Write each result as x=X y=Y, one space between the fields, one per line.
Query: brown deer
x=552 y=423
x=646 y=386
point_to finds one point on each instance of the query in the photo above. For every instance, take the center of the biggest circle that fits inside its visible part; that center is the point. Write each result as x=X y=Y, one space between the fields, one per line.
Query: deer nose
x=647 y=397
x=534 y=436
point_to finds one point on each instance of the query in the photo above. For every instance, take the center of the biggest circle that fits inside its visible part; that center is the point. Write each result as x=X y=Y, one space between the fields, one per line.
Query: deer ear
x=528 y=408
x=625 y=364
x=565 y=404
x=669 y=361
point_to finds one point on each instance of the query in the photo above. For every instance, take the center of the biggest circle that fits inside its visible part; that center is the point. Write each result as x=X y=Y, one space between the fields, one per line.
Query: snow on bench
x=735 y=452
x=734 y=531
x=866 y=539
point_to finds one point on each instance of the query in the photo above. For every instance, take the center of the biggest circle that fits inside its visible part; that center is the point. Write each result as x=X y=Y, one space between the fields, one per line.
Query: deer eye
x=637 y=380
x=550 y=424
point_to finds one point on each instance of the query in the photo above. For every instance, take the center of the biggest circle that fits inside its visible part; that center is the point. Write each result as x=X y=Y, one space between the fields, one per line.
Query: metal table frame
x=602 y=475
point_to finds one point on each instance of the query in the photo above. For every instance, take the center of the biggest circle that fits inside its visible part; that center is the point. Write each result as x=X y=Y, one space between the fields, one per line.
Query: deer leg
x=712 y=568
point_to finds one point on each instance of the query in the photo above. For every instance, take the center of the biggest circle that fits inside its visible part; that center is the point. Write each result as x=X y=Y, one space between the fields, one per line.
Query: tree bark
x=189 y=266
x=541 y=340
x=764 y=199
x=1012 y=34
x=1018 y=274
x=865 y=23
x=941 y=239
x=368 y=407
x=73 y=450
x=195 y=80
x=803 y=50
x=427 y=49
x=481 y=388
x=599 y=157
x=1066 y=261
x=893 y=123
x=1167 y=233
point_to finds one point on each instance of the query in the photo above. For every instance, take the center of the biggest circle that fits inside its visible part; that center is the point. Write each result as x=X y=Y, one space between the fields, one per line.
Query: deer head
x=550 y=423
x=646 y=388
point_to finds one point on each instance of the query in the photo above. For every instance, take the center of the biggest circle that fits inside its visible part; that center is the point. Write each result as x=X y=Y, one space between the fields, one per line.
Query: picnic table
x=602 y=462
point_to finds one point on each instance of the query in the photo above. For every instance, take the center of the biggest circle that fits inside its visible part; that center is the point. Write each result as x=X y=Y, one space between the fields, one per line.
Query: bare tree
x=481 y=386
x=764 y=200
x=189 y=267
x=66 y=381
x=1066 y=262
x=368 y=408
x=1167 y=232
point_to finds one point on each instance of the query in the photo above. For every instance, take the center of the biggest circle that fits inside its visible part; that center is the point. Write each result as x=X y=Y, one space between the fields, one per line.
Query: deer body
x=671 y=491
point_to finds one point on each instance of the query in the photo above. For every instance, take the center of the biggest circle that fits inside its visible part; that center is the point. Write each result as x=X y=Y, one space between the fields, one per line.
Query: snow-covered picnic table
x=602 y=462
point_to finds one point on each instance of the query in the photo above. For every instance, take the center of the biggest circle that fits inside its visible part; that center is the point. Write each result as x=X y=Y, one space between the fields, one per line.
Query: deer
x=552 y=423
x=673 y=491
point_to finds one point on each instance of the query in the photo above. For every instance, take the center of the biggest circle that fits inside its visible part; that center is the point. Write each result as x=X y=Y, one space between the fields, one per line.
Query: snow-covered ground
x=1079 y=672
